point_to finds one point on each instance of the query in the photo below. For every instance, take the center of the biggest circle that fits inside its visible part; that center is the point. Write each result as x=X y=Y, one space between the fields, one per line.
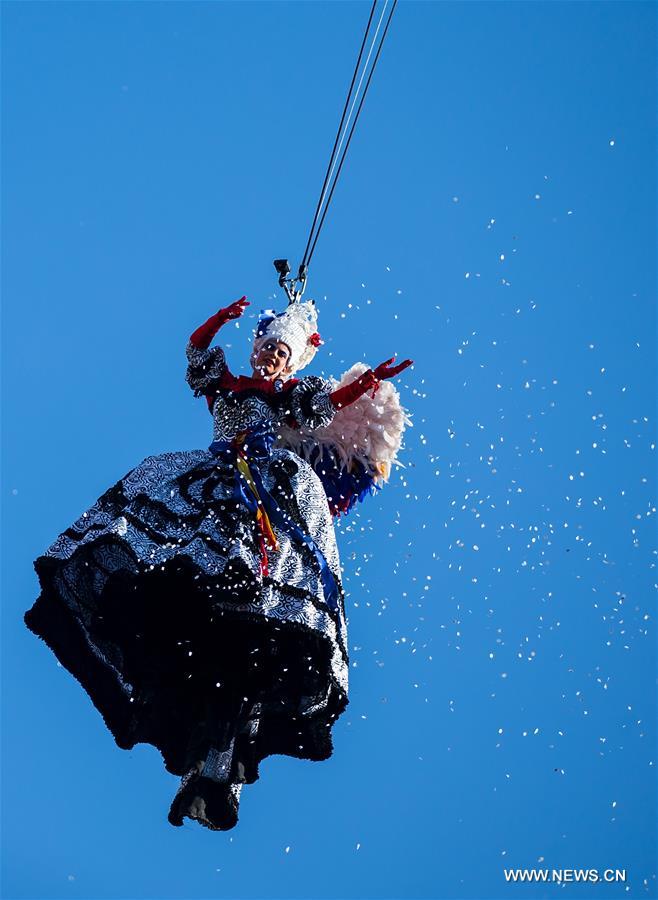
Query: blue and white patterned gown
x=155 y=601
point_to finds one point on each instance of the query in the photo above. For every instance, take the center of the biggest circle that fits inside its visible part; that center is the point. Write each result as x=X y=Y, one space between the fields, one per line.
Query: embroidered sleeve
x=205 y=368
x=311 y=404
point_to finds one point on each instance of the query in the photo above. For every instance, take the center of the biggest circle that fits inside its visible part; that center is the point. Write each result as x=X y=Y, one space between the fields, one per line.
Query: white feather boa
x=368 y=431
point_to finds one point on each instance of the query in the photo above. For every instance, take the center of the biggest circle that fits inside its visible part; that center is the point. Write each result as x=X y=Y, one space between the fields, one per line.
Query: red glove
x=383 y=371
x=351 y=392
x=202 y=337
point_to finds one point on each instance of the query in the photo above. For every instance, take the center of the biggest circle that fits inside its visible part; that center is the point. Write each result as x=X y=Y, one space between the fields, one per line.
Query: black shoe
x=211 y=803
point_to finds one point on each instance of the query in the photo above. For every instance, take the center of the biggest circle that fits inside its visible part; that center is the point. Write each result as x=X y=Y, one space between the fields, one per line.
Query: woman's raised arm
x=204 y=334
x=370 y=379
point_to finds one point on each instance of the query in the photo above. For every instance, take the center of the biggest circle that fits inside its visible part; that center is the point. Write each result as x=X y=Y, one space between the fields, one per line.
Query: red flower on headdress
x=315 y=339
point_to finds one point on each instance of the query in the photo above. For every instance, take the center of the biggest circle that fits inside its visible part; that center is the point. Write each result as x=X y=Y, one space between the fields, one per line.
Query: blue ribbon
x=266 y=316
x=258 y=449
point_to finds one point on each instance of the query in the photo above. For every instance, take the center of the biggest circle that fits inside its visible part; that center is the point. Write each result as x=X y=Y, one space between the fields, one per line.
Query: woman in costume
x=199 y=600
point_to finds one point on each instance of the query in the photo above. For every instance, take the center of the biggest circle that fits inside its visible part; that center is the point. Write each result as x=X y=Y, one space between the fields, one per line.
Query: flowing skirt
x=154 y=599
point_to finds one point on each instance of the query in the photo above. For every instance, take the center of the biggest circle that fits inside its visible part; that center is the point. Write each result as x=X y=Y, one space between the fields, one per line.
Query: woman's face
x=272 y=360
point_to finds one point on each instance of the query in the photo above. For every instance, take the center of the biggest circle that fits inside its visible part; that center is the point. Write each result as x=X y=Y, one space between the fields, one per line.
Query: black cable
x=356 y=118
x=338 y=133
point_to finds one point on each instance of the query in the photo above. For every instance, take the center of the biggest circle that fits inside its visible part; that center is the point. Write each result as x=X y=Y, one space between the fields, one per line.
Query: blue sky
x=496 y=222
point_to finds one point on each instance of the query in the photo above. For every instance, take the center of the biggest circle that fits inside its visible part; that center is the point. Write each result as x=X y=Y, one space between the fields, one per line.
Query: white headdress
x=296 y=328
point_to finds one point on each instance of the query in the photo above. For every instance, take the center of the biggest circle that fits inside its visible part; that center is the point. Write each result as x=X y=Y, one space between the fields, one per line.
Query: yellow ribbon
x=261 y=514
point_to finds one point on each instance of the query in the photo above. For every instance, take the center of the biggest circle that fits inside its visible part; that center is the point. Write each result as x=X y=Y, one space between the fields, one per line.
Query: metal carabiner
x=289 y=284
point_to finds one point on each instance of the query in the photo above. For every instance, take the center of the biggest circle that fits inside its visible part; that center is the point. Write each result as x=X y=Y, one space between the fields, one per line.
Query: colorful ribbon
x=247 y=452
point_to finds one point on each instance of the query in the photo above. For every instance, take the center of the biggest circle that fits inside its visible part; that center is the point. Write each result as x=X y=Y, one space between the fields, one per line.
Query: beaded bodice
x=247 y=408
